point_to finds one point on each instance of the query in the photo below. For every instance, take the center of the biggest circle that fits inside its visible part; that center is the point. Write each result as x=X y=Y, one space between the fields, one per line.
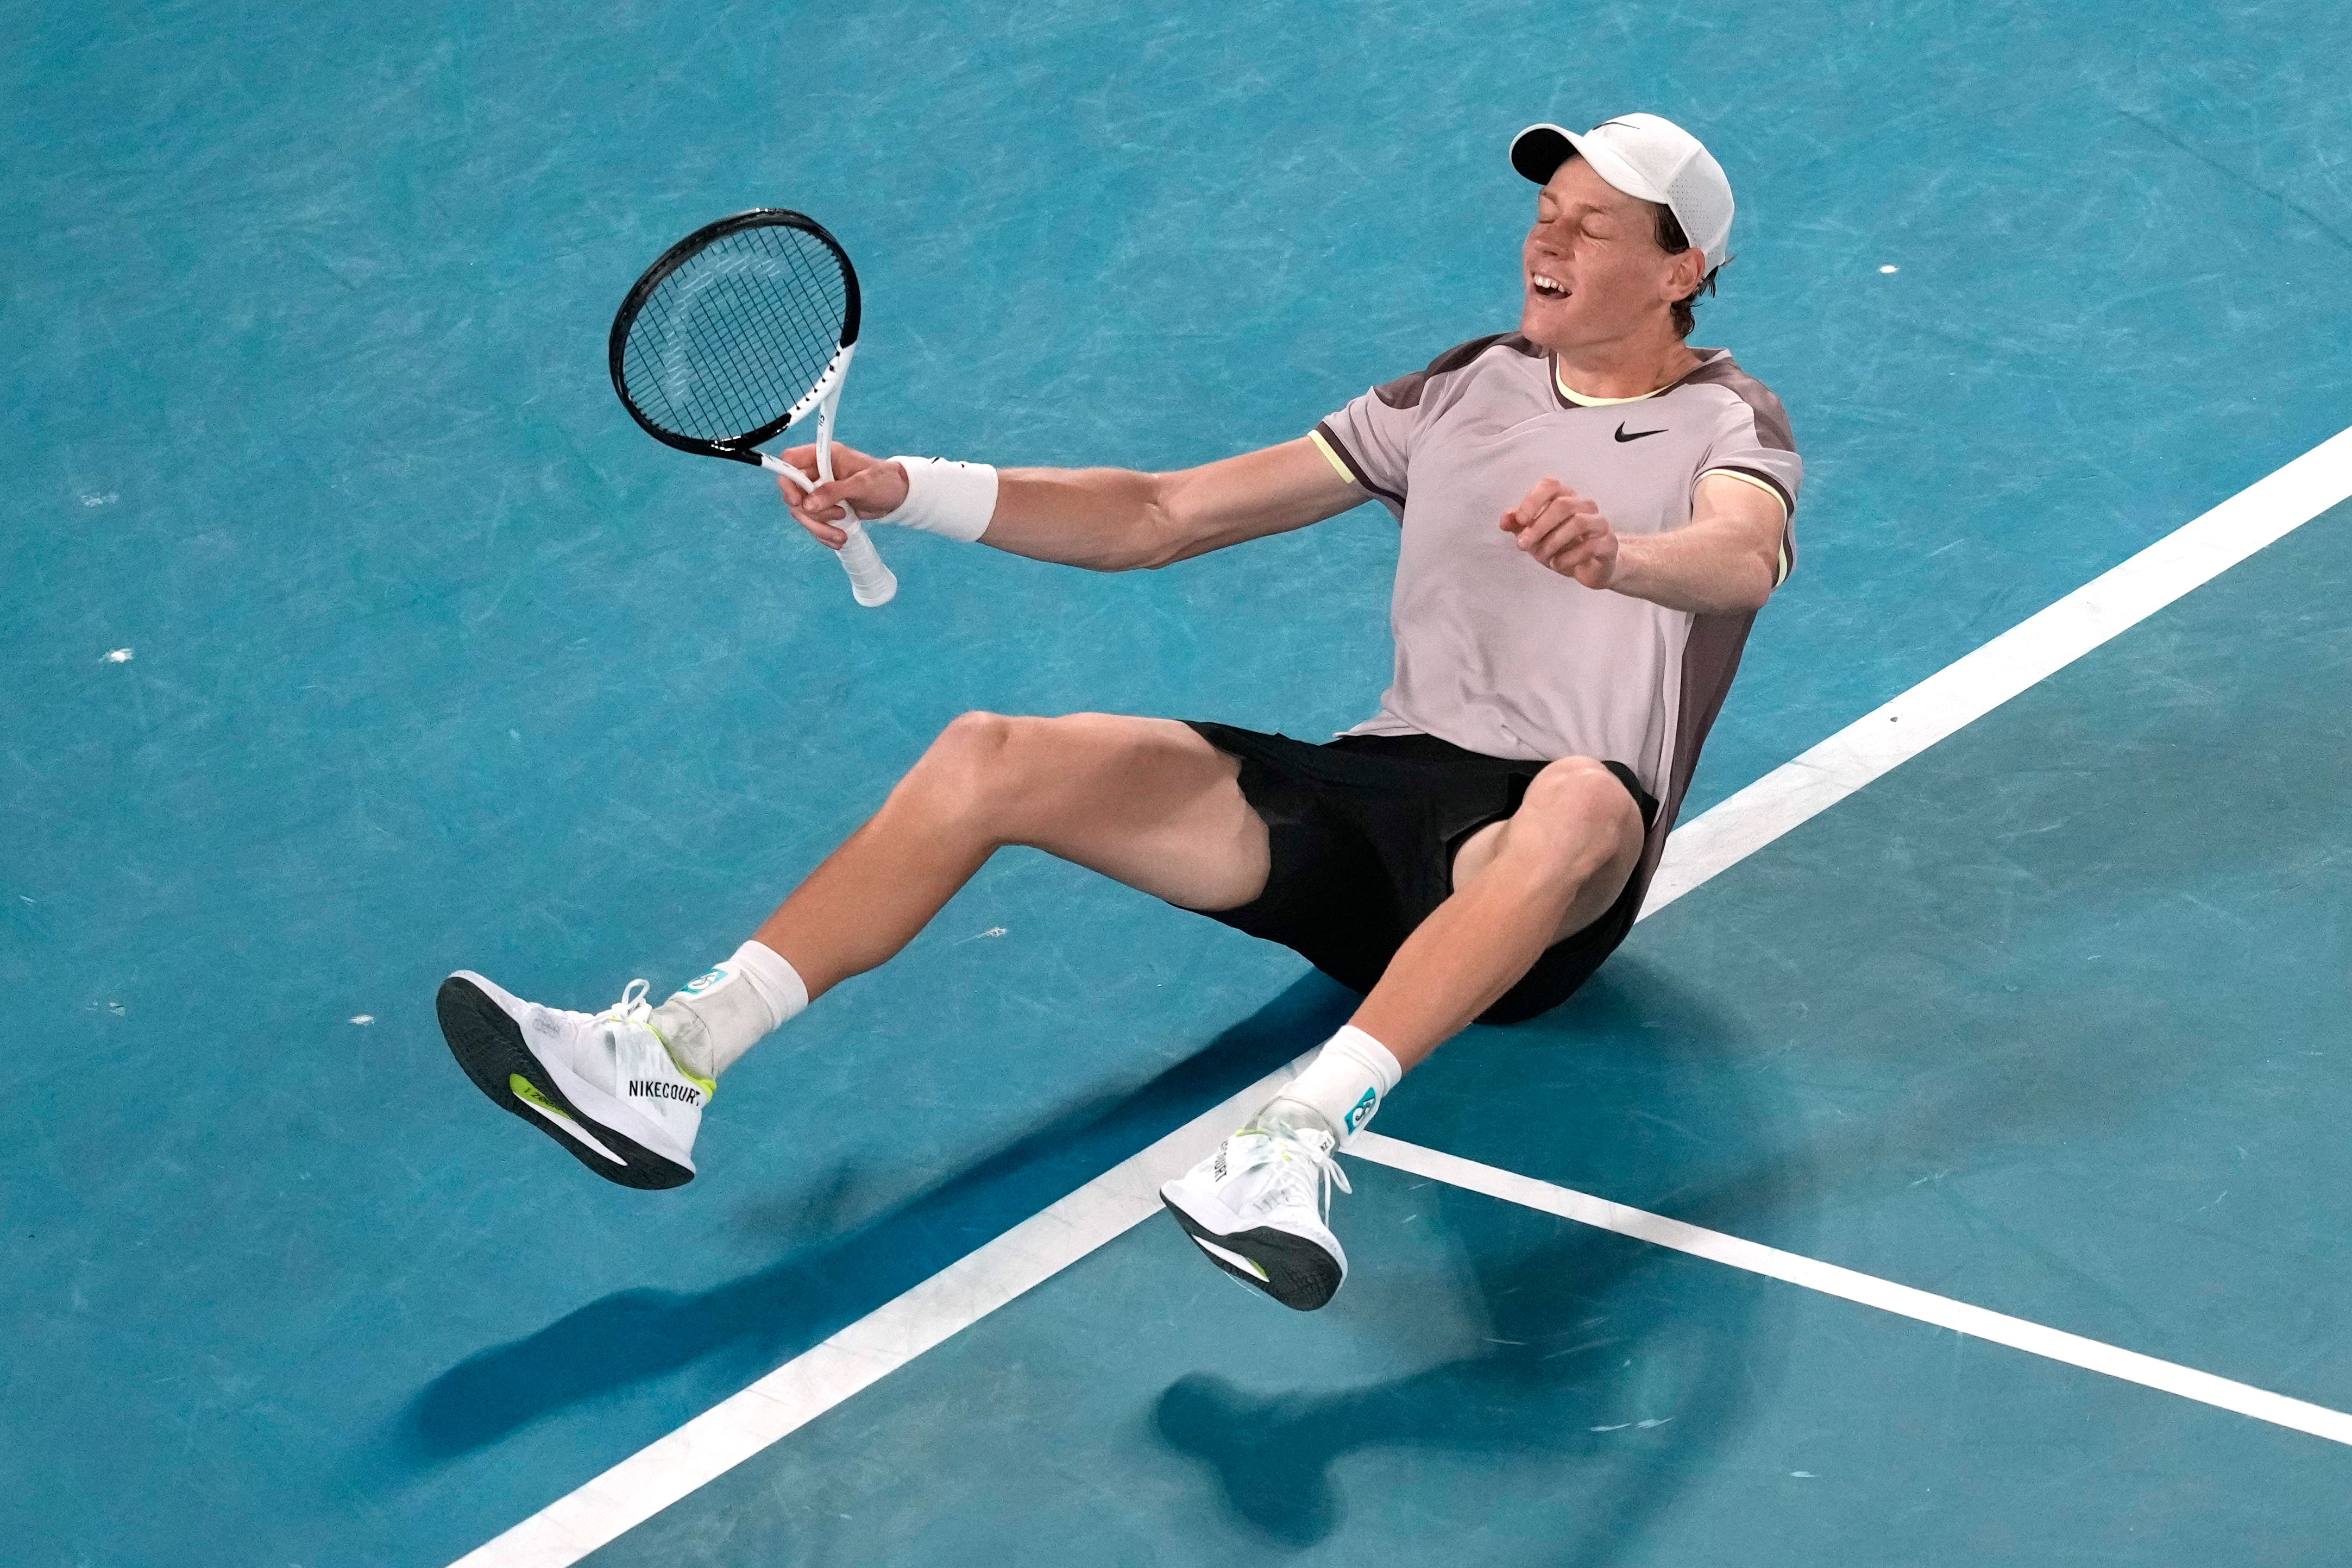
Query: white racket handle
x=871 y=583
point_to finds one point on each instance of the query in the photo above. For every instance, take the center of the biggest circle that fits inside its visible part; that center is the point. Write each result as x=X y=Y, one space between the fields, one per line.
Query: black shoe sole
x=488 y=1044
x=1298 y=1274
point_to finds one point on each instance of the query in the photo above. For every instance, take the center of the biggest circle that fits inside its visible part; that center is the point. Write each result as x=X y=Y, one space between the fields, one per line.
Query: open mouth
x=1547 y=287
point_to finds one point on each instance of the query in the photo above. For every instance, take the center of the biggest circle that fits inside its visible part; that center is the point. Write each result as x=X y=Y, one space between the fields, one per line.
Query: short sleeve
x=1370 y=443
x=1371 y=440
x=1751 y=442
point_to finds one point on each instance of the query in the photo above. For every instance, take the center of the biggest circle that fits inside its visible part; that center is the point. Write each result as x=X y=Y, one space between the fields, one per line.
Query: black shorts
x=1363 y=830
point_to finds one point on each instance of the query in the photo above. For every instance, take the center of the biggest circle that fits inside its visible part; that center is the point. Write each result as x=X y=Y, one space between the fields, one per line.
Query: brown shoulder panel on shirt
x=1405 y=390
x=1771 y=420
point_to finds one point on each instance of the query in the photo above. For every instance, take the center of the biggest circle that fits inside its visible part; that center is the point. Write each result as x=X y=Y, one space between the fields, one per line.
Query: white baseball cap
x=1648 y=158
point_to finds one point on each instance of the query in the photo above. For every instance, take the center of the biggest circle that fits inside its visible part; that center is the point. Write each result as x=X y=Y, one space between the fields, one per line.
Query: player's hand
x=1564 y=531
x=869 y=487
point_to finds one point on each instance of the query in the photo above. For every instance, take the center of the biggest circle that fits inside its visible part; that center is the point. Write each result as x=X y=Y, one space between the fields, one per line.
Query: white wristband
x=951 y=499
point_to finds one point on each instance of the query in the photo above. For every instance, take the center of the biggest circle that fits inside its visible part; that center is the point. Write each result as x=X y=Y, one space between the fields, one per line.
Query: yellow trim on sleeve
x=1750 y=479
x=1332 y=458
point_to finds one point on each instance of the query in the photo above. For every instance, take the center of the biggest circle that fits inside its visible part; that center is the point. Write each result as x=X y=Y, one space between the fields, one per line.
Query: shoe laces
x=634 y=1010
x=1309 y=1180
x=632 y=1007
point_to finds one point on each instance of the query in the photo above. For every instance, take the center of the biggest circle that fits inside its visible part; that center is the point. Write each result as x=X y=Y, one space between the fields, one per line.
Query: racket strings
x=767 y=348
x=728 y=359
x=735 y=337
x=810 y=281
x=774 y=336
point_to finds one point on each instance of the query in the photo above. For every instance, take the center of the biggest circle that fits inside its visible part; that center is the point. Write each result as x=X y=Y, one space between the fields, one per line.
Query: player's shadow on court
x=743 y=1328
x=1628 y=1380
x=1594 y=1334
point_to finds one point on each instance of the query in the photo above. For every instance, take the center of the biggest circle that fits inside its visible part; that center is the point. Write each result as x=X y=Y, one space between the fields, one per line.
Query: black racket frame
x=740 y=447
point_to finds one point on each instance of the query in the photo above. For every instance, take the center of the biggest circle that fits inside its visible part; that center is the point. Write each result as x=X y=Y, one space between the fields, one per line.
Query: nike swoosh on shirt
x=1639 y=434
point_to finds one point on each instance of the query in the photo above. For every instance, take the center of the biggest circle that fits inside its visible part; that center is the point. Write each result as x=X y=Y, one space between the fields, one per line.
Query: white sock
x=715 y=1019
x=1338 y=1091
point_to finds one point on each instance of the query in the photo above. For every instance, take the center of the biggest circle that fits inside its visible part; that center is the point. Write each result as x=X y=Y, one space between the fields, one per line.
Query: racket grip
x=870 y=583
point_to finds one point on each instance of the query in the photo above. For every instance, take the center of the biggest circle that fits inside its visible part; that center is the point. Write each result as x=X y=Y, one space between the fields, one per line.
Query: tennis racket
x=731 y=338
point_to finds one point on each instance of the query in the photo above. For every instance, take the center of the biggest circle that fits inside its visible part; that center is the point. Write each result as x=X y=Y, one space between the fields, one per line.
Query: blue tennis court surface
x=355 y=635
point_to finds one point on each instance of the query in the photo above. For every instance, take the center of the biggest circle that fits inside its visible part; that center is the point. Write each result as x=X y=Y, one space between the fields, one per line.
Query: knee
x=1576 y=819
x=972 y=740
x=975 y=761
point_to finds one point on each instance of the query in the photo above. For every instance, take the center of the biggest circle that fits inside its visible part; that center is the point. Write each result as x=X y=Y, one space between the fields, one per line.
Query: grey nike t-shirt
x=1499 y=653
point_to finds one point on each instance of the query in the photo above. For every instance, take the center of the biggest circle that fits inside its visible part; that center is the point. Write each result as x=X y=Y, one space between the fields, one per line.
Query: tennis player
x=1592 y=513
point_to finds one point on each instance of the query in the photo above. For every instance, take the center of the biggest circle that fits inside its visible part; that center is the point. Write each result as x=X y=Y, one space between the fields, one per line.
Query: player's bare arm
x=1105 y=520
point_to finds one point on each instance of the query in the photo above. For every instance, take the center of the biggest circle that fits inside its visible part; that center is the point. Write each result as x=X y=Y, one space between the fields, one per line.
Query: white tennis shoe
x=602 y=1084
x=1258 y=1208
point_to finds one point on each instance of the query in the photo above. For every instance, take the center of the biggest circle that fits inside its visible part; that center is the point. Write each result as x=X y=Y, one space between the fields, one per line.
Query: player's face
x=1591 y=268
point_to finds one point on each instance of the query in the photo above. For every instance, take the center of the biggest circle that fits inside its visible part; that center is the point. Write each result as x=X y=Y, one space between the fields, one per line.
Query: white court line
x=1122 y=1197
x=1870 y=1291
x=868 y=1349
x=1975 y=685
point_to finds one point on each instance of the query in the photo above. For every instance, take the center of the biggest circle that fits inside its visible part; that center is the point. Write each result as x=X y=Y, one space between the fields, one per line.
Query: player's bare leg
x=1258 y=1208
x=1145 y=801
x=1519 y=885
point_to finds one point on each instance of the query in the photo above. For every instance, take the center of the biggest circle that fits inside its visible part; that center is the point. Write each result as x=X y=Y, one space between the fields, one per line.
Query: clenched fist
x=1566 y=532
